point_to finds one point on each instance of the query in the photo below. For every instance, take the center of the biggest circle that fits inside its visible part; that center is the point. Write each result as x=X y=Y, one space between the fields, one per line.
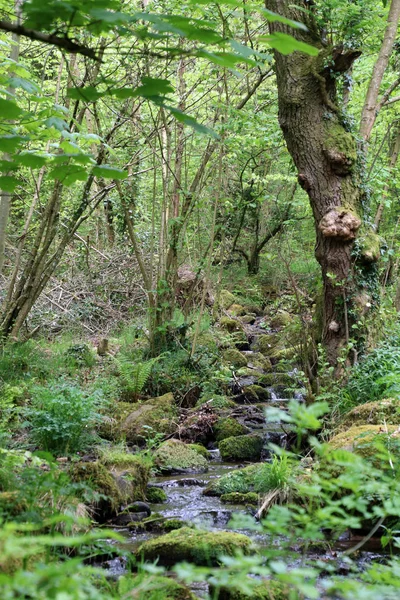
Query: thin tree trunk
x=394 y=155
x=368 y=114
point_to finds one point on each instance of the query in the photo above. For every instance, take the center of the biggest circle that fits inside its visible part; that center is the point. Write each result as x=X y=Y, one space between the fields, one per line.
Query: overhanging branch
x=64 y=43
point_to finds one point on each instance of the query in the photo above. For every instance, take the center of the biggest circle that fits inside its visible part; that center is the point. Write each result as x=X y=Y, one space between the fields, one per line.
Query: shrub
x=60 y=417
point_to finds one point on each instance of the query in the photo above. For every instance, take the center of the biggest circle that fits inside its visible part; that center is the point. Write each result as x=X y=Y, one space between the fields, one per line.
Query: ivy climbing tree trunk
x=326 y=156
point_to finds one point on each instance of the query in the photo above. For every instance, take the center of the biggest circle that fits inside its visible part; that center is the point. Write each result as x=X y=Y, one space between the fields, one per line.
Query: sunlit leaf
x=8 y=183
x=286 y=44
x=109 y=172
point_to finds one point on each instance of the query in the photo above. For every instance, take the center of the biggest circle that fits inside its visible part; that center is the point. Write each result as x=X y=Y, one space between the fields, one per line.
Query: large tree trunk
x=325 y=154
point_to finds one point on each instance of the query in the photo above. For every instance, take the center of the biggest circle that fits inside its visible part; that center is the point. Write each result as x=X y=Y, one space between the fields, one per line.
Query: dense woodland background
x=199 y=216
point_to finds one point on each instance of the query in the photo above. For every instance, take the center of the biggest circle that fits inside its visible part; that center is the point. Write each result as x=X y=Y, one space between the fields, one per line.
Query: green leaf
x=70 y=147
x=68 y=174
x=190 y=121
x=6 y=166
x=28 y=159
x=25 y=84
x=274 y=17
x=224 y=59
x=286 y=44
x=9 y=110
x=89 y=93
x=9 y=143
x=109 y=172
x=8 y=183
x=153 y=87
x=57 y=123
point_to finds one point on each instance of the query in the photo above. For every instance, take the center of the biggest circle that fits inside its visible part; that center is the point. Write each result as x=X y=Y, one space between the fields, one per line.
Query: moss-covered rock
x=201 y=450
x=242 y=447
x=113 y=414
x=153 y=587
x=226 y=299
x=235 y=358
x=198 y=547
x=155 y=415
x=239 y=340
x=261 y=362
x=281 y=319
x=276 y=379
x=239 y=480
x=227 y=427
x=257 y=393
x=373 y=413
x=131 y=468
x=238 y=498
x=248 y=319
x=253 y=309
x=102 y=481
x=362 y=440
x=174 y=455
x=237 y=310
x=155 y=495
x=266 y=590
x=230 y=325
x=216 y=401
x=267 y=342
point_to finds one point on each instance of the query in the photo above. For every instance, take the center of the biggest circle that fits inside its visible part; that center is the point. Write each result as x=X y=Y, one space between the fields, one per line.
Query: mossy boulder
x=373 y=413
x=155 y=415
x=198 y=547
x=155 y=495
x=235 y=358
x=216 y=401
x=276 y=379
x=133 y=469
x=113 y=415
x=227 y=427
x=266 y=590
x=230 y=325
x=281 y=319
x=201 y=450
x=253 y=309
x=362 y=440
x=261 y=362
x=176 y=456
x=239 y=498
x=267 y=342
x=257 y=393
x=237 y=310
x=226 y=299
x=240 y=340
x=153 y=587
x=102 y=481
x=239 y=480
x=242 y=447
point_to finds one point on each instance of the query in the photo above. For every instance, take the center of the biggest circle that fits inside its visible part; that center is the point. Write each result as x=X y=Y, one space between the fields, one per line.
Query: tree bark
x=325 y=154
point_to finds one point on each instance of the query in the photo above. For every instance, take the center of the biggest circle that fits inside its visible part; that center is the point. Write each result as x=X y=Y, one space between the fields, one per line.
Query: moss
x=237 y=310
x=248 y=319
x=227 y=427
x=242 y=447
x=235 y=358
x=240 y=340
x=362 y=440
x=201 y=450
x=274 y=379
x=98 y=477
x=229 y=324
x=253 y=309
x=369 y=245
x=134 y=469
x=281 y=319
x=155 y=495
x=373 y=413
x=239 y=480
x=173 y=524
x=112 y=417
x=261 y=362
x=267 y=342
x=198 y=547
x=174 y=455
x=257 y=392
x=216 y=401
x=158 y=414
x=226 y=299
x=238 y=498
x=153 y=587
x=266 y=590
x=340 y=147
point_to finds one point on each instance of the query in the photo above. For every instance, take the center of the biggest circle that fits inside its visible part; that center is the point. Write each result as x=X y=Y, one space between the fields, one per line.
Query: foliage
x=135 y=374
x=60 y=417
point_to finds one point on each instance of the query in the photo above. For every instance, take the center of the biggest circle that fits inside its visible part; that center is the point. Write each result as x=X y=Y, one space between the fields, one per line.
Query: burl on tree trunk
x=328 y=160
